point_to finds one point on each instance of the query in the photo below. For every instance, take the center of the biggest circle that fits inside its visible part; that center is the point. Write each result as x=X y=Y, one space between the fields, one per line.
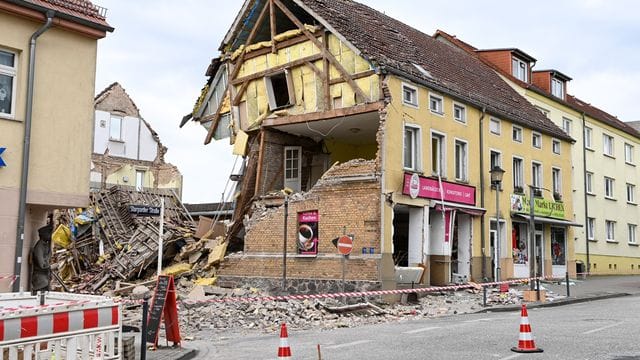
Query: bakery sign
x=417 y=186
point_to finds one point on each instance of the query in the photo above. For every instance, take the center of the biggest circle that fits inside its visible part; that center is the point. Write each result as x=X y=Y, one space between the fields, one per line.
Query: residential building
x=603 y=162
x=360 y=125
x=126 y=150
x=46 y=112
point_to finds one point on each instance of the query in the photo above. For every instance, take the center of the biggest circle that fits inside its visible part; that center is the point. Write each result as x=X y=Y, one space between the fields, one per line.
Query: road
x=605 y=329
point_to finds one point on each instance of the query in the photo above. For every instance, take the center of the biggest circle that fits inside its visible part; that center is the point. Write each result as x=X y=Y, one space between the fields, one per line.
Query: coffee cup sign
x=308 y=233
x=305 y=237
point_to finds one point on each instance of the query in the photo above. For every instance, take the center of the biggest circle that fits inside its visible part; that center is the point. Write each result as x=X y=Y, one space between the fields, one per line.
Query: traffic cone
x=526 y=344
x=284 y=351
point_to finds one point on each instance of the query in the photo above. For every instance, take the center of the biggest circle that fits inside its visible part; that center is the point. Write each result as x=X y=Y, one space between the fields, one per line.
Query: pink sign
x=419 y=186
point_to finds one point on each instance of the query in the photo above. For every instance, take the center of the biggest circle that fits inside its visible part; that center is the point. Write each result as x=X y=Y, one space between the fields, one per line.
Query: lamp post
x=286 y=191
x=496 y=181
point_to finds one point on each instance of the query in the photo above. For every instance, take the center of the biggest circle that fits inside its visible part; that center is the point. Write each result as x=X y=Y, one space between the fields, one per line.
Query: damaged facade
x=382 y=133
x=126 y=150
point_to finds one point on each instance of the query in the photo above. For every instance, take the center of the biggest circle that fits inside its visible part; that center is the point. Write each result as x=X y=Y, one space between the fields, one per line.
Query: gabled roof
x=397 y=47
x=80 y=11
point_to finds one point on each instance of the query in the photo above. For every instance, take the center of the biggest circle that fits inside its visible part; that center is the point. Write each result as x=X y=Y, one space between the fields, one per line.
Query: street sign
x=2 y=163
x=144 y=210
x=345 y=245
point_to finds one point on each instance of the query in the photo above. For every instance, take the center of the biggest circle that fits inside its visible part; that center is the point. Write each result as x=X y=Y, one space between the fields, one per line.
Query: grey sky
x=160 y=50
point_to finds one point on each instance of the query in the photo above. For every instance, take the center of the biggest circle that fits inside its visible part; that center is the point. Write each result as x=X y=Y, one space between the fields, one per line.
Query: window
x=292 y=171
x=518 y=175
x=115 y=128
x=140 y=180
x=8 y=71
x=411 y=147
x=495 y=159
x=517 y=133
x=591 y=228
x=555 y=146
x=557 y=88
x=628 y=153
x=519 y=69
x=607 y=144
x=567 y=125
x=435 y=104
x=610 y=230
x=409 y=95
x=437 y=154
x=587 y=137
x=536 y=140
x=461 y=160
x=632 y=233
x=631 y=193
x=280 y=90
x=494 y=126
x=608 y=187
x=460 y=113
x=556 y=181
x=536 y=174
x=589 y=182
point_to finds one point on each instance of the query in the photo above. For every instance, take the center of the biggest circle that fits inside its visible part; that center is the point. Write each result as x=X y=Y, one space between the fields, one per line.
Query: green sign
x=541 y=206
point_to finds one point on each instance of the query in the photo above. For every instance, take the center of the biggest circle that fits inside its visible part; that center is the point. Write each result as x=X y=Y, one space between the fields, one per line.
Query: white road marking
x=415 y=331
x=483 y=319
x=353 y=343
x=602 y=328
x=511 y=357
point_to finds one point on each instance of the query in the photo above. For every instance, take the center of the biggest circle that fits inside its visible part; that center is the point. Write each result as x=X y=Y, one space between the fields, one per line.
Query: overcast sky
x=160 y=50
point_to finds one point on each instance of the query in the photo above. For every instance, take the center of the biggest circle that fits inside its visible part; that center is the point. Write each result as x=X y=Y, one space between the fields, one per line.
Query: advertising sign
x=541 y=207
x=308 y=233
x=428 y=188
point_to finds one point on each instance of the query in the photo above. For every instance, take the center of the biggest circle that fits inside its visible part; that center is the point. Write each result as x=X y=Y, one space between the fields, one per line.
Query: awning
x=548 y=220
x=467 y=209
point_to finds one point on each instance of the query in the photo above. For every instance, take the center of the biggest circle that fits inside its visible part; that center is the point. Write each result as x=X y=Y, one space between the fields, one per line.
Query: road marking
x=415 y=331
x=483 y=319
x=511 y=357
x=353 y=343
x=602 y=328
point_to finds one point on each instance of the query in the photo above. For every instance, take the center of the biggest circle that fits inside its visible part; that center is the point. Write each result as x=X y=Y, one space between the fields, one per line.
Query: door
x=494 y=264
x=520 y=250
x=558 y=252
x=292 y=167
x=461 y=248
x=539 y=251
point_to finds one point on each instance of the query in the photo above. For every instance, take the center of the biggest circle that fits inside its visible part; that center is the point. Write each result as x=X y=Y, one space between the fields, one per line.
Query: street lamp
x=286 y=192
x=496 y=181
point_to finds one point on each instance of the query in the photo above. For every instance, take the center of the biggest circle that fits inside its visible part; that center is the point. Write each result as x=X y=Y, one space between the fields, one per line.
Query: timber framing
x=329 y=114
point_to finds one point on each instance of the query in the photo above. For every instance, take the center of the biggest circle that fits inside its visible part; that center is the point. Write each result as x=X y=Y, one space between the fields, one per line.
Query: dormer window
x=519 y=69
x=557 y=88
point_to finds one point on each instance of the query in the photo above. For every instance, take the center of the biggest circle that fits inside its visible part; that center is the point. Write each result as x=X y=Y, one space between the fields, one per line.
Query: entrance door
x=494 y=264
x=461 y=248
x=520 y=250
x=539 y=250
x=558 y=252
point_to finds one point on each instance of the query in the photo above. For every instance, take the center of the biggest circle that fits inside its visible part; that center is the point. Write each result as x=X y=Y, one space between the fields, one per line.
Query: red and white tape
x=7 y=277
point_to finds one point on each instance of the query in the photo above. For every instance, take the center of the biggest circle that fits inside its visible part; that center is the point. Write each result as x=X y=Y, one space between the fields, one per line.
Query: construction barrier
x=75 y=327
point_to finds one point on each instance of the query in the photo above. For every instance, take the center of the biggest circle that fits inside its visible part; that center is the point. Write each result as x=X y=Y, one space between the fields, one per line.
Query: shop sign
x=308 y=233
x=2 y=163
x=428 y=188
x=541 y=206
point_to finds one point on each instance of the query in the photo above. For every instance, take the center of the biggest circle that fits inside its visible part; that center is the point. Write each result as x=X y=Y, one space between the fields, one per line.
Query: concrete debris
x=140 y=292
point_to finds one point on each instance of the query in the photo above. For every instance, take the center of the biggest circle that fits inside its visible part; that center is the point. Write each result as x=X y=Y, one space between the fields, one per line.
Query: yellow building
x=49 y=93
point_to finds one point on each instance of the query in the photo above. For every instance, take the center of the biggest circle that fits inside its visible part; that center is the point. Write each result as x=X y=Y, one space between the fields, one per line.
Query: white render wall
x=137 y=141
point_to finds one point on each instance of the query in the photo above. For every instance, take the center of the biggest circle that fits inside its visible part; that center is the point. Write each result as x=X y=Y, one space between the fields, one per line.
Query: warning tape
x=6 y=277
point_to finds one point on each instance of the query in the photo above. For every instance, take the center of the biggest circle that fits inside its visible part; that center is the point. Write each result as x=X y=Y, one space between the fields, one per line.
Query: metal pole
x=498 y=237
x=484 y=296
x=566 y=280
x=284 y=246
x=344 y=271
x=532 y=232
x=160 y=235
x=143 y=329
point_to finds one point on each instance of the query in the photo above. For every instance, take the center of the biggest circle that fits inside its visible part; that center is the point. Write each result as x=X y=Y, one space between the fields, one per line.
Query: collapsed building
x=344 y=117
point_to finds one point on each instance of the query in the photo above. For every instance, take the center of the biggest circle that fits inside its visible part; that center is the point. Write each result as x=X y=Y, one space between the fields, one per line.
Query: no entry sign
x=345 y=245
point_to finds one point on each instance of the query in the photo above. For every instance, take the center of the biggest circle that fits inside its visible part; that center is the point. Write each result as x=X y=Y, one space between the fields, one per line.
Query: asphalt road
x=605 y=329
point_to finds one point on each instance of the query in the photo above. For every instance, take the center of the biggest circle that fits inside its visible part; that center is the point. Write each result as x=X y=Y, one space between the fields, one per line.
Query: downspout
x=482 y=235
x=25 y=149
x=586 y=197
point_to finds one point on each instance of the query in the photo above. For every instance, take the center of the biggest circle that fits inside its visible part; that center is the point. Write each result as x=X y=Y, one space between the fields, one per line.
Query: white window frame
x=440 y=167
x=589 y=182
x=497 y=152
x=631 y=193
x=556 y=180
x=519 y=69
x=628 y=153
x=416 y=151
x=588 y=138
x=463 y=111
x=610 y=230
x=608 y=147
x=518 y=173
x=273 y=105
x=567 y=125
x=462 y=162
x=556 y=146
x=632 y=229
x=140 y=175
x=536 y=135
x=497 y=123
x=293 y=182
x=409 y=89
x=119 y=135
x=516 y=133
x=609 y=187
x=439 y=101
x=557 y=88
x=536 y=181
x=591 y=228
x=11 y=71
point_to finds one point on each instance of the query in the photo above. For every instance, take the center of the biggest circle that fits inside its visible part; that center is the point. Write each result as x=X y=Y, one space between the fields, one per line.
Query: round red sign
x=345 y=245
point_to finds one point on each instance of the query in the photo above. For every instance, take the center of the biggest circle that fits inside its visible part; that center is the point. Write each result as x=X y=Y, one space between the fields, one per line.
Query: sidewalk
x=164 y=352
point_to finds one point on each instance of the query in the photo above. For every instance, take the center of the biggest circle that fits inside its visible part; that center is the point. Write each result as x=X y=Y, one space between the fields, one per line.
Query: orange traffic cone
x=284 y=351
x=525 y=340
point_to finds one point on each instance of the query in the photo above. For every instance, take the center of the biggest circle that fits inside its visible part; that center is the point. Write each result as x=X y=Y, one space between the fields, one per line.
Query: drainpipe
x=482 y=235
x=25 y=149
x=584 y=178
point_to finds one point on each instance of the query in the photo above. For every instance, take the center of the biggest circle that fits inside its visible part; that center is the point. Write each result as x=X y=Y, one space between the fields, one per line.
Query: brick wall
x=542 y=79
x=501 y=59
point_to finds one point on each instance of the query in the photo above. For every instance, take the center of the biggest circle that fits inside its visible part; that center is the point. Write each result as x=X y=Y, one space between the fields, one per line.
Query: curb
x=554 y=303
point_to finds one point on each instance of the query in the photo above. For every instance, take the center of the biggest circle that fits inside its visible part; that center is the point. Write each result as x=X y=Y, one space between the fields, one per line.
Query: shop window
x=280 y=90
